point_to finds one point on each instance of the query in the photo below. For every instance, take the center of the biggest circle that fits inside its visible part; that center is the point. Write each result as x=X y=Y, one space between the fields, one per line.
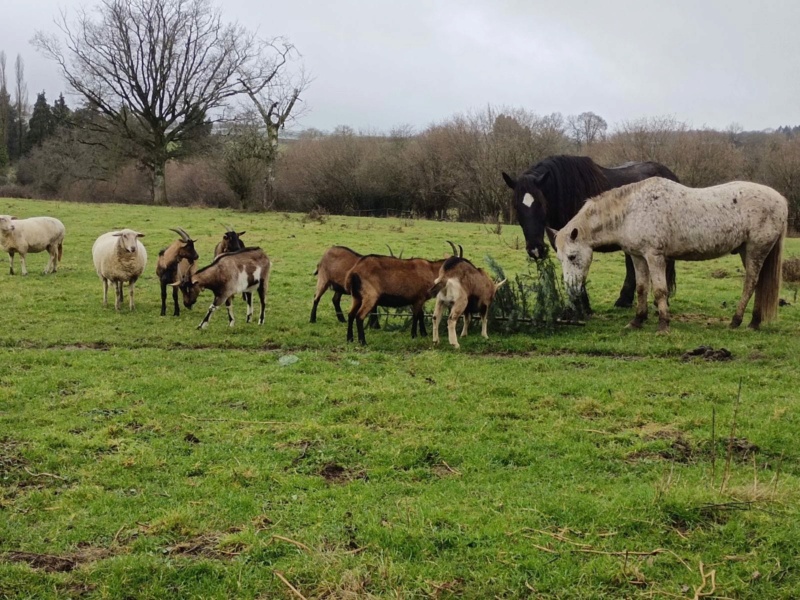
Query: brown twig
x=291 y=541
x=713 y=445
x=451 y=469
x=294 y=590
x=29 y=472
x=726 y=475
x=712 y=575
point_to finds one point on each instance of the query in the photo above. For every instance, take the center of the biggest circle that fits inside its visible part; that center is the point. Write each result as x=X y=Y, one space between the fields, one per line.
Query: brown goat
x=176 y=262
x=466 y=289
x=388 y=281
x=230 y=242
x=229 y=274
x=331 y=273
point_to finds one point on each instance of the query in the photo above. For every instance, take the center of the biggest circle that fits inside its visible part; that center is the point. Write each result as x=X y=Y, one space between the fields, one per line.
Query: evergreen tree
x=41 y=124
x=61 y=111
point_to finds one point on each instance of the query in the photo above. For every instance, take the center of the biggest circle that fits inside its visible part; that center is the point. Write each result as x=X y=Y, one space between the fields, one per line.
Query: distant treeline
x=450 y=170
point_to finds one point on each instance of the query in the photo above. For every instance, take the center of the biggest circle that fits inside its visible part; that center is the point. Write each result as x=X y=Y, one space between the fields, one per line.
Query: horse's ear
x=573 y=234
x=509 y=181
x=551 y=235
x=540 y=179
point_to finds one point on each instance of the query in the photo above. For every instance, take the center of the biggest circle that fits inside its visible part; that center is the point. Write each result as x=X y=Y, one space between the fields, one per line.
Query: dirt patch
x=719 y=274
x=336 y=473
x=680 y=449
x=742 y=448
x=89 y=346
x=58 y=564
x=206 y=546
x=708 y=353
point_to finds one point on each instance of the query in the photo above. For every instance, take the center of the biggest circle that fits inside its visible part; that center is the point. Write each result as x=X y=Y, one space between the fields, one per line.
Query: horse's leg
x=642 y=284
x=625 y=299
x=752 y=261
x=657 y=265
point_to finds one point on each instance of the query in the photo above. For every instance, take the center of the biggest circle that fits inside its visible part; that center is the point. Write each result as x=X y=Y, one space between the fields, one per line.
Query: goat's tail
x=60 y=250
x=353 y=285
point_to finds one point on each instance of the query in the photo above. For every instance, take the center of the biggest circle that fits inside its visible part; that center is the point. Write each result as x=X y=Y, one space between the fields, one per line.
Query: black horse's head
x=531 y=207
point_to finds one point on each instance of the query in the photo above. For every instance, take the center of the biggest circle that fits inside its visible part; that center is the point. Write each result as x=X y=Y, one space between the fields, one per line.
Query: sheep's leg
x=24 y=266
x=49 y=261
x=262 y=297
x=118 y=294
x=105 y=291
x=11 y=261
x=437 y=315
x=229 y=306
x=175 y=301
x=131 y=285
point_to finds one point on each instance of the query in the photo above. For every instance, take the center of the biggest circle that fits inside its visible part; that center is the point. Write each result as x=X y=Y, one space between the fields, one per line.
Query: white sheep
x=118 y=257
x=32 y=235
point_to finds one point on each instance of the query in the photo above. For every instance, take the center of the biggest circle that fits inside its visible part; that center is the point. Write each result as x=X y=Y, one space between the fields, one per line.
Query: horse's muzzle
x=537 y=252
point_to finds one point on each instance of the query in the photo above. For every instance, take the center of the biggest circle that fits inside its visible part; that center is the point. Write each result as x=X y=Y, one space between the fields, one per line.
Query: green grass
x=158 y=461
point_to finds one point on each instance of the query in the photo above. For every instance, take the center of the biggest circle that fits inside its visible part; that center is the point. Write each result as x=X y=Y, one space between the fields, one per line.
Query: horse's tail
x=768 y=287
x=672 y=284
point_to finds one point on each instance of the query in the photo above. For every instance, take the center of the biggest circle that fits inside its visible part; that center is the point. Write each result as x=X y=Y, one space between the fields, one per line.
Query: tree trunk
x=268 y=184
x=159 y=184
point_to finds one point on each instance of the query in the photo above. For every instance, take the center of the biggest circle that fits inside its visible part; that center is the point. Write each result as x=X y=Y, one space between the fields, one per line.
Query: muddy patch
x=335 y=473
x=58 y=564
x=708 y=353
x=206 y=546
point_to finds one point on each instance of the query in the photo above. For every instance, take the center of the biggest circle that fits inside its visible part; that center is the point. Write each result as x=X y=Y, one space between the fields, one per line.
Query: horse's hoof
x=622 y=303
x=735 y=322
x=634 y=325
x=754 y=326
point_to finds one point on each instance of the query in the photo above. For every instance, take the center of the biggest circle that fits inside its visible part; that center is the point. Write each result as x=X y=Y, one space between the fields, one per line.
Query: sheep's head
x=128 y=239
x=6 y=223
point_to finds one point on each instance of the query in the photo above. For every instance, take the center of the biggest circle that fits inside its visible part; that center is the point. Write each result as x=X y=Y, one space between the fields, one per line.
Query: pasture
x=141 y=458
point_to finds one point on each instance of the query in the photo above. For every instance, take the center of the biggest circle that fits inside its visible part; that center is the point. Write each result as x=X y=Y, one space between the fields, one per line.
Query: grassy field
x=141 y=458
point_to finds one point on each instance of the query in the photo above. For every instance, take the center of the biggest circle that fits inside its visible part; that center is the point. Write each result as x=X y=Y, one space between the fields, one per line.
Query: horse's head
x=531 y=207
x=575 y=255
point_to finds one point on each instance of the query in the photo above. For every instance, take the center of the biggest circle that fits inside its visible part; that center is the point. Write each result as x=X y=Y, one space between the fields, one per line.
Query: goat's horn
x=453 y=246
x=460 y=251
x=179 y=232
x=228 y=228
x=390 y=250
x=183 y=232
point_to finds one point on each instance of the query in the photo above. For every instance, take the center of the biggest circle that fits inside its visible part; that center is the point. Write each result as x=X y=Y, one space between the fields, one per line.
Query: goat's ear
x=241 y=233
x=551 y=235
x=509 y=181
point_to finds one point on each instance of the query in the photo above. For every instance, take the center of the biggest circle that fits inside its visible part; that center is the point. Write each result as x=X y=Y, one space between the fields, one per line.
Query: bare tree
x=21 y=101
x=158 y=70
x=586 y=129
x=275 y=98
x=5 y=104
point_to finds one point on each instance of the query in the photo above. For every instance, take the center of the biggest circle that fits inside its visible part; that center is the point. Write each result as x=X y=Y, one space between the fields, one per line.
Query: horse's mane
x=607 y=210
x=570 y=181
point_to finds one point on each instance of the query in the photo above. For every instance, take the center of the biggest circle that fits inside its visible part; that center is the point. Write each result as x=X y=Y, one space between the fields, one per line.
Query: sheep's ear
x=551 y=235
x=13 y=218
x=118 y=234
x=139 y=235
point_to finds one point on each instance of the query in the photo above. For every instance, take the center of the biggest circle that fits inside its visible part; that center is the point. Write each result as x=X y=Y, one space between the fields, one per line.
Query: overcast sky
x=378 y=64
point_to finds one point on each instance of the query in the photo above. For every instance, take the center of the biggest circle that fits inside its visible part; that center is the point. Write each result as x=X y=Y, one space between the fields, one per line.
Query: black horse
x=553 y=190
